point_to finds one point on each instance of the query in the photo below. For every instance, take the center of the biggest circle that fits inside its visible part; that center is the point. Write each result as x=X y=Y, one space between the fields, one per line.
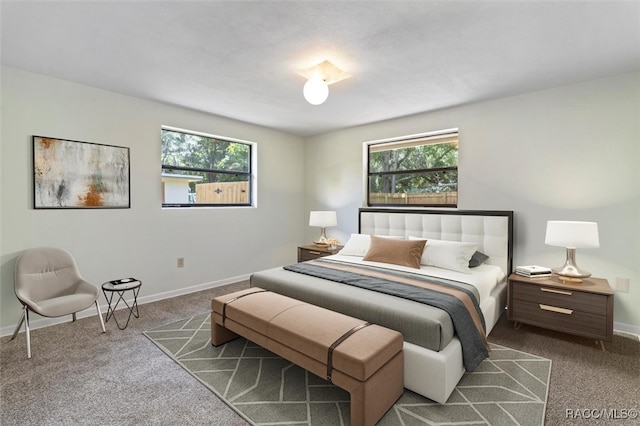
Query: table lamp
x=322 y=219
x=572 y=235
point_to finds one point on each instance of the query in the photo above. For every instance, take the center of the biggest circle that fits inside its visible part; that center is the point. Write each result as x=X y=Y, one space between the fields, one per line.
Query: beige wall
x=569 y=153
x=218 y=244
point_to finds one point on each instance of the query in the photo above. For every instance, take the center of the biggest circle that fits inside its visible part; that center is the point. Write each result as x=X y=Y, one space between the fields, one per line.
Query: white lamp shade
x=323 y=219
x=572 y=234
x=315 y=91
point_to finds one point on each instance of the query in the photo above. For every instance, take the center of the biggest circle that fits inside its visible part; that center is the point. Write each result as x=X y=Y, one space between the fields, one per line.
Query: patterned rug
x=509 y=388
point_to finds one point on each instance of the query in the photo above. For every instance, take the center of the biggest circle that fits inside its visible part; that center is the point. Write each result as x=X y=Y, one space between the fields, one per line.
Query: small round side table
x=109 y=289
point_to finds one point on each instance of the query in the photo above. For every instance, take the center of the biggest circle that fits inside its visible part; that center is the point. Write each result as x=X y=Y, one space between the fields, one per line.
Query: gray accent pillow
x=477 y=259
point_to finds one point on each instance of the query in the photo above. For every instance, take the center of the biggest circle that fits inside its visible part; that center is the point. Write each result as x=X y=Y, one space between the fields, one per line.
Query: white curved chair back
x=47 y=281
x=44 y=273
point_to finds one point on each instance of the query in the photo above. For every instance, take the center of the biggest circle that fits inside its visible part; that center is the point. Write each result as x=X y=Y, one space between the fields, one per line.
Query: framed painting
x=79 y=175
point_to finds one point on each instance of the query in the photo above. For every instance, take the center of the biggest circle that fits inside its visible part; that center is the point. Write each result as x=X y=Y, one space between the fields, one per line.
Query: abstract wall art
x=79 y=175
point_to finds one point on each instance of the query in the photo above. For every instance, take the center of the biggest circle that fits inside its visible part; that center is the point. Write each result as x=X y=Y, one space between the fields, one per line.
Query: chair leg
x=100 y=316
x=27 y=331
x=17 y=330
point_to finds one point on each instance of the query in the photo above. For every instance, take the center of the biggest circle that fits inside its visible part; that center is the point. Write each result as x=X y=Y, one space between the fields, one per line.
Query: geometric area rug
x=509 y=388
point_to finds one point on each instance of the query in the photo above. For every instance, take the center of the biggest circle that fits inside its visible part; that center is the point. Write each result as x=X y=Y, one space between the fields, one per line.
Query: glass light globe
x=315 y=91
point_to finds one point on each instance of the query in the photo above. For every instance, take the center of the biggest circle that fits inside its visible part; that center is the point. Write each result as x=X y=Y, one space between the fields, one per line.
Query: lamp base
x=570 y=271
x=322 y=241
x=566 y=279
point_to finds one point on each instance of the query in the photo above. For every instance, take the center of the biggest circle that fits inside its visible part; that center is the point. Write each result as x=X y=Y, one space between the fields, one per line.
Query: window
x=204 y=170
x=417 y=170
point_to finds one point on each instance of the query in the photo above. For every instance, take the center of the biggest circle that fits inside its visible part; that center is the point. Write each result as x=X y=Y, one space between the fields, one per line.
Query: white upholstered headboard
x=491 y=230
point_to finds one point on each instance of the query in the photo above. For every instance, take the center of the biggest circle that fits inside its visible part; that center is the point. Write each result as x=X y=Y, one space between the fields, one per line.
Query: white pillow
x=453 y=255
x=358 y=244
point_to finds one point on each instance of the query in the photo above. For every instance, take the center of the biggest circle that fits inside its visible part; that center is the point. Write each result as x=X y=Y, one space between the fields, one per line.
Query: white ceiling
x=239 y=59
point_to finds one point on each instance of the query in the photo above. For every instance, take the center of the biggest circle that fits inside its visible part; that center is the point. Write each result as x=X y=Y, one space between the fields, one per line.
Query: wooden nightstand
x=584 y=309
x=313 y=251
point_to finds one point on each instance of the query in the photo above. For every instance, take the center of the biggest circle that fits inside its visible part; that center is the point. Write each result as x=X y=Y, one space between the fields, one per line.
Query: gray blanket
x=469 y=332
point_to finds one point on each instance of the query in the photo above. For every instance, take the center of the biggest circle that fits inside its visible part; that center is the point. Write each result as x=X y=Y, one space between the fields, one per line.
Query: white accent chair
x=47 y=281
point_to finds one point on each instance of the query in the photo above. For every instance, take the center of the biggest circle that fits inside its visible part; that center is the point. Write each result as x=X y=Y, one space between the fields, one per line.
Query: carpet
x=509 y=388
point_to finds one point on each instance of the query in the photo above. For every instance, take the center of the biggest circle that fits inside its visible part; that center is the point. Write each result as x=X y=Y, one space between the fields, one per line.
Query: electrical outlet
x=181 y=262
x=622 y=285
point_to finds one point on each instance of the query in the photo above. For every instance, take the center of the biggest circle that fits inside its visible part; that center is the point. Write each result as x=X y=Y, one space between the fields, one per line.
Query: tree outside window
x=414 y=171
x=203 y=170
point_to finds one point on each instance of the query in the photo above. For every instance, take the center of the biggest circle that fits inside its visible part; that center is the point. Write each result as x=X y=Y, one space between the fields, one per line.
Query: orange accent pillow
x=398 y=252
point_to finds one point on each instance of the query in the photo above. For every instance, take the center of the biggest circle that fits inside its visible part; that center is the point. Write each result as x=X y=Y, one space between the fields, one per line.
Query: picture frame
x=70 y=174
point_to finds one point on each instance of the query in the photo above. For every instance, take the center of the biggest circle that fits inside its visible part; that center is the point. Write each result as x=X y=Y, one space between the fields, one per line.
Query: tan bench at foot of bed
x=365 y=360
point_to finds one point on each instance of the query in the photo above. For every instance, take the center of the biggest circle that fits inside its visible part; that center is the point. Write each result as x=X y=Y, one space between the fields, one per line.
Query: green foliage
x=205 y=156
x=425 y=168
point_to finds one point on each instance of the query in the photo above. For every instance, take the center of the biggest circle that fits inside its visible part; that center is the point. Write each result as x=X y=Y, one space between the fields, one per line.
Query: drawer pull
x=553 y=290
x=314 y=252
x=556 y=309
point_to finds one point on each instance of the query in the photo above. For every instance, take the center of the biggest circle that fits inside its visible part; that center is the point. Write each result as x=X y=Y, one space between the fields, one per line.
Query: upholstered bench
x=363 y=359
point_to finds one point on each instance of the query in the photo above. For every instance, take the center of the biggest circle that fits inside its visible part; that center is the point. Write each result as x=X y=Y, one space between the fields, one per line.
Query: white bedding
x=484 y=277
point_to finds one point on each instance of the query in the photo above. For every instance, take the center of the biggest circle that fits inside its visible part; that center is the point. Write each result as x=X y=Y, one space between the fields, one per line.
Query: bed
x=434 y=356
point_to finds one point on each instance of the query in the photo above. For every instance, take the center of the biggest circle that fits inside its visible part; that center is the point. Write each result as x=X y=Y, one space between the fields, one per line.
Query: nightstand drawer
x=584 y=309
x=312 y=251
x=304 y=255
x=560 y=318
x=565 y=298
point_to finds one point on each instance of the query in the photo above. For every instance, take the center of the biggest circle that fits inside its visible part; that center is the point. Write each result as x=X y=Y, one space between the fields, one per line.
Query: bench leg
x=370 y=400
x=220 y=335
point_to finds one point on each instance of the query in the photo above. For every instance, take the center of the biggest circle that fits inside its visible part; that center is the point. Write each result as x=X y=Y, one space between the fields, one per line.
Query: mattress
x=420 y=324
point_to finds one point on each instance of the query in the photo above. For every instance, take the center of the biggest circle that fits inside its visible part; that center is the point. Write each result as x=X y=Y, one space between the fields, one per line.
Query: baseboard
x=42 y=322
x=627 y=328
x=188 y=290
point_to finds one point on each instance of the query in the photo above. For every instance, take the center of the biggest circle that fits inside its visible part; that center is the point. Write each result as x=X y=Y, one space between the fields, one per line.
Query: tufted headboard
x=491 y=230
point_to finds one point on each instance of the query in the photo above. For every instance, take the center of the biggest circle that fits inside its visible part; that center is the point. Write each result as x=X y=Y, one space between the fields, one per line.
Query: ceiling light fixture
x=315 y=90
x=319 y=77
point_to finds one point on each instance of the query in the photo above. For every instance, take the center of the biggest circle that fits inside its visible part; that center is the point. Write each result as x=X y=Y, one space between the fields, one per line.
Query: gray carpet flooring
x=79 y=375
x=509 y=388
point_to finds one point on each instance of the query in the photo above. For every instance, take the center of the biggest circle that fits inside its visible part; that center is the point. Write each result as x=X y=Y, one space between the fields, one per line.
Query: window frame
x=407 y=141
x=250 y=174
